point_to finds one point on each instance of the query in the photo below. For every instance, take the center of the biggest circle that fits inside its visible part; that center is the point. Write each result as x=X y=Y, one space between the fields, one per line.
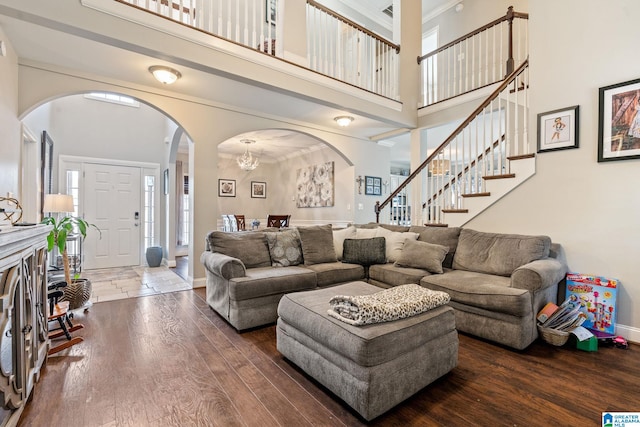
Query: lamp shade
x=58 y=203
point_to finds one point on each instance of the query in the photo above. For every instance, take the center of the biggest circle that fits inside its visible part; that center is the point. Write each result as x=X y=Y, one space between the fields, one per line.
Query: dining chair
x=240 y=222
x=279 y=221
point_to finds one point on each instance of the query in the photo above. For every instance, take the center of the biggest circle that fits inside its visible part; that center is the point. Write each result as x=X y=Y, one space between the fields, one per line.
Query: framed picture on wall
x=558 y=129
x=226 y=188
x=619 y=122
x=372 y=185
x=258 y=190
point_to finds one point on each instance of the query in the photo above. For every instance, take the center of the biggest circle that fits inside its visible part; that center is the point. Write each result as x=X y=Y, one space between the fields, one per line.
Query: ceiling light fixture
x=246 y=161
x=343 y=120
x=165 y=75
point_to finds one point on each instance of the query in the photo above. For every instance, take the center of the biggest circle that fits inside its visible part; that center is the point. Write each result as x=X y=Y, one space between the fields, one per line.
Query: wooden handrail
x=508 y=17
x=506 y=82
x=353 y=24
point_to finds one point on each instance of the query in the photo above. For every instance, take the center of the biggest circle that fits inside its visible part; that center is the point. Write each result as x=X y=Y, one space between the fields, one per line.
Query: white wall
x=10 y=139
x=591 y=208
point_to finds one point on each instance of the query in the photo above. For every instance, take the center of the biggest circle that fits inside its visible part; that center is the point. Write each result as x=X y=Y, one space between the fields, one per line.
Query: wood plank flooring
x=169 y=360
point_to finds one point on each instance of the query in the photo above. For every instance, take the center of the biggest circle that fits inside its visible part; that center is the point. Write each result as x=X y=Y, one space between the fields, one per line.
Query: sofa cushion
x=485 y=291
x=499 y=254
x=366 y=233
x=284 y=247
x=395 y=241
x=338 y=239
x=260 y=282
x=422 y=255
x=445 y=236
x=317 y=244
x=249 y=247
x=365 y=251
x=391 y=275
x=331 y=273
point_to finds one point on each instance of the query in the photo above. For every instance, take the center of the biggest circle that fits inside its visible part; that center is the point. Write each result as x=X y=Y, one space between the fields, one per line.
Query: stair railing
x=480 y=58
x=336 y=46
x=477 y=150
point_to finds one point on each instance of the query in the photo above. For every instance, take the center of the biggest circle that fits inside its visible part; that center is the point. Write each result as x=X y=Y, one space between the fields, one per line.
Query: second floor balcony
x=306 y=34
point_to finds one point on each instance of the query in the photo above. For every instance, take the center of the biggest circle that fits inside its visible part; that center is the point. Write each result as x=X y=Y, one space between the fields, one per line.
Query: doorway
x=120 y=198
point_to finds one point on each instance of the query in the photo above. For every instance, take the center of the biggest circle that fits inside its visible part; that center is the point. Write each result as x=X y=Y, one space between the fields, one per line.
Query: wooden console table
x=24 y=339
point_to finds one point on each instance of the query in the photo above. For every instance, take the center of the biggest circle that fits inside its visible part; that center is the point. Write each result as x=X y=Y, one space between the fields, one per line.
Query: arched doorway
x=104 y=134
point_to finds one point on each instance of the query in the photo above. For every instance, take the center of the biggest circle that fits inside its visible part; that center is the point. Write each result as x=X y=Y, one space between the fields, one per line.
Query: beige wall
x=207 y=126
x=10 y=144
x=593 y=209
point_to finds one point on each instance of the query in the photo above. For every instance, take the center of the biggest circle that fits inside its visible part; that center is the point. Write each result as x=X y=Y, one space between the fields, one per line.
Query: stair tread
x=487 y=194
x=522 y=156
x=455 y=210
x=503 y=176
x=436 y=225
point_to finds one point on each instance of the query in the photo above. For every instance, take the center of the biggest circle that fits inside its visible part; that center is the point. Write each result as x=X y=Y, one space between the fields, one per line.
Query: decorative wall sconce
x=359 y=180
x=385 y=184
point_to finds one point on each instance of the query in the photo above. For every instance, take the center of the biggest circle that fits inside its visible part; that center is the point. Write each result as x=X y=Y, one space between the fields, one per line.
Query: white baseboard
x=629 y=332
x=199 y=283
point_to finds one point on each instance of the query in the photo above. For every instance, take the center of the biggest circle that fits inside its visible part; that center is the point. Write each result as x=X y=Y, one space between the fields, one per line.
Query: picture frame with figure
x=619 y=121
x=558 y=129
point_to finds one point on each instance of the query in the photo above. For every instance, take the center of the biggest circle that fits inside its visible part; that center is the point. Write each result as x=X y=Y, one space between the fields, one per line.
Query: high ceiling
x=38 y=41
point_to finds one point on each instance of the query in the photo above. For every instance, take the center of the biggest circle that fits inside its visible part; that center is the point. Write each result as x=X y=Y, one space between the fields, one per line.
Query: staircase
x=483 y=159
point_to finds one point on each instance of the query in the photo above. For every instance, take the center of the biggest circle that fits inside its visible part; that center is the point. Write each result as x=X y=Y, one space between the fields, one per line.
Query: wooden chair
x=240 y=222
x=279 y=221
x=59 y=312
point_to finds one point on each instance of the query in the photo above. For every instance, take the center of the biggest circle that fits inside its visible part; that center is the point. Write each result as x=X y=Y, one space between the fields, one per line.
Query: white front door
x=112 y=202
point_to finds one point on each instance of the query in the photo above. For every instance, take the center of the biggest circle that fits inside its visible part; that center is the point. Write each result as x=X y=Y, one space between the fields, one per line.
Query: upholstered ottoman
x=372 y=367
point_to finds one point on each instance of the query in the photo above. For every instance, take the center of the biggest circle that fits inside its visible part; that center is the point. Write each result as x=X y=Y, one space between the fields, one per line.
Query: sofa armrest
x=539 y=274
x=223 y=265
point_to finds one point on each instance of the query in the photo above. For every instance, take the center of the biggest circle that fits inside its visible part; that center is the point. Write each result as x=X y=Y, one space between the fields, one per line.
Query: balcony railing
x=336 y=47
x=478 y=59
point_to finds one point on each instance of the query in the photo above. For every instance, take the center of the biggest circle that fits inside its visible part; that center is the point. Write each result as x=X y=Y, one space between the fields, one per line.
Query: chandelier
x=246 y=161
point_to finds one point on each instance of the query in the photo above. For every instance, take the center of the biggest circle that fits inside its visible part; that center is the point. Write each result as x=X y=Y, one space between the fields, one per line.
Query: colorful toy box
x=597 y=298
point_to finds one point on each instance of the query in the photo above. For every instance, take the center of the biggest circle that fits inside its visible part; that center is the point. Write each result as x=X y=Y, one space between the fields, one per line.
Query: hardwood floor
x=169 y=360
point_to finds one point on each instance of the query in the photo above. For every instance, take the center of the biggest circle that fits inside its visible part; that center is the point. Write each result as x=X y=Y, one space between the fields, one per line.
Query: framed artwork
x=372 y=185
x=46 y=168
x=619 y=121
x=258 y=190
x=270 y=11
x=314 y=186
x=226 y=188
x=558 y=129
x=165 y=181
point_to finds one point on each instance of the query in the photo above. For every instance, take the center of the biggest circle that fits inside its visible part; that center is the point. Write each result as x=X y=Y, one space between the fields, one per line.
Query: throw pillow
x=364 y=251
x=366 y=233
x=284 y=248
x=422 y=255
x=249 y=247
x=395 y=241
x=317 y=244
x=338 y=239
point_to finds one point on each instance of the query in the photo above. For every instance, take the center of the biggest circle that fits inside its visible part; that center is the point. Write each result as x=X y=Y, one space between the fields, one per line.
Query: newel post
x=510 y=61
x=376 y=209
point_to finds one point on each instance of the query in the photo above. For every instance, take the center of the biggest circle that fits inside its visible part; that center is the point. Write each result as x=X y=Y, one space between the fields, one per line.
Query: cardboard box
x=597 y=299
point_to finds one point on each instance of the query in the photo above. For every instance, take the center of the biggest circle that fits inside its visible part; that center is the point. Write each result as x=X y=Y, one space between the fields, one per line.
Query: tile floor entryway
x=110 y=284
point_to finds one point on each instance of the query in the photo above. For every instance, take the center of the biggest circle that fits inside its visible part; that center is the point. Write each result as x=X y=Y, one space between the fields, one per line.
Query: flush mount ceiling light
x=343 y=120
x=165 y=75
x=246 y=161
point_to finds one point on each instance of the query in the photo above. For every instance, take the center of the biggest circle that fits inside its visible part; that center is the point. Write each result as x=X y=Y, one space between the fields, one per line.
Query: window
x=149 y=211
x=185 y=212
x=113 y=98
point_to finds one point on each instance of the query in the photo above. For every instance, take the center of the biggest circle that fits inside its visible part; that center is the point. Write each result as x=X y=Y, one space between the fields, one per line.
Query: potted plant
x=77 y=291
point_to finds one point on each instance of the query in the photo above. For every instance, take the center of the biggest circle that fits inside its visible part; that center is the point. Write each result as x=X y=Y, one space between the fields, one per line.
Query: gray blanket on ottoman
x=385 y=306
